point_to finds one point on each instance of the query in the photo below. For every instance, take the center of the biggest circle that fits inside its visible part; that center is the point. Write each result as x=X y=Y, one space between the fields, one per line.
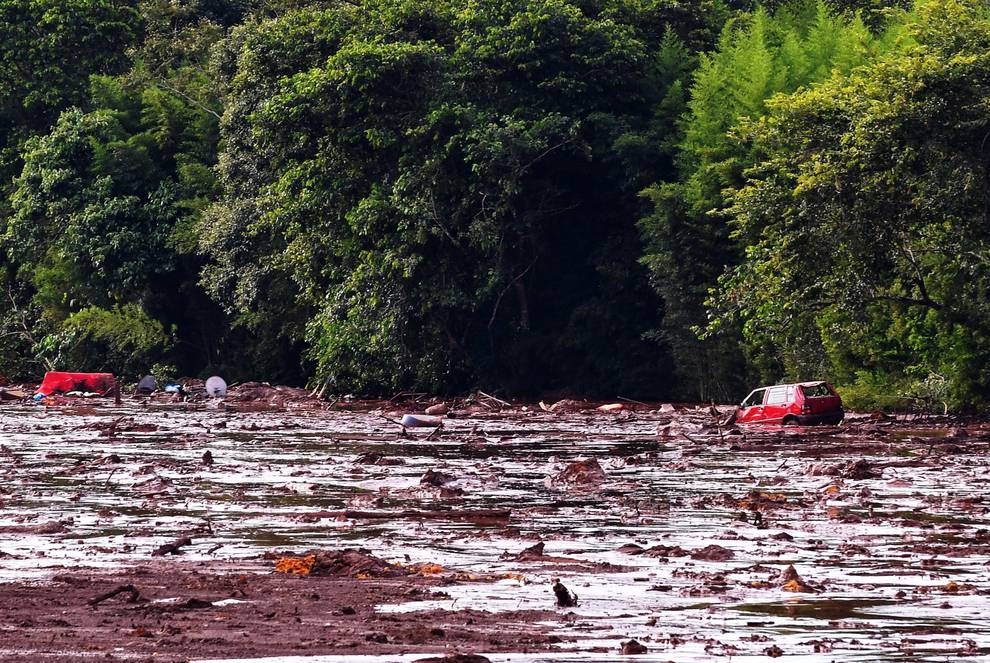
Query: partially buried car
x=797 y=404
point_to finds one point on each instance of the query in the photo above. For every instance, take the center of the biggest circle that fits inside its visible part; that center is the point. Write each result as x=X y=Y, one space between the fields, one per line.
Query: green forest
x=647 y=198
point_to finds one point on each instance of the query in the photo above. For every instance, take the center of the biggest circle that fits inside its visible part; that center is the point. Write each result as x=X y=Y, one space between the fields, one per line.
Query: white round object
x=215 y=386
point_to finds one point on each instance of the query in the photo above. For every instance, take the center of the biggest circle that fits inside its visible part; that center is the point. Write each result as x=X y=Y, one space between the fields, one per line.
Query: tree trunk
x=523 y=304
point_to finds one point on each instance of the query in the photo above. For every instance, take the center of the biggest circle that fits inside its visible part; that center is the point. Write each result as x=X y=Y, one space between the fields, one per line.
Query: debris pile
x=346 y=563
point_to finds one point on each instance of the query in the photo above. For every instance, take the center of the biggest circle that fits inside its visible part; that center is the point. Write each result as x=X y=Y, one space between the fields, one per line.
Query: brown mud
x=271 y=523
x=184 y=611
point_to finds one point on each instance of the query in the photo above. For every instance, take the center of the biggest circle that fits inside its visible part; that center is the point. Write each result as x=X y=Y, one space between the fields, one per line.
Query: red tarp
x=56 y=382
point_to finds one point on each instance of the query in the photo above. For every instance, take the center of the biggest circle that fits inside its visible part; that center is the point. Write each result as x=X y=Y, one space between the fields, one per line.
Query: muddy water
x=896 y=563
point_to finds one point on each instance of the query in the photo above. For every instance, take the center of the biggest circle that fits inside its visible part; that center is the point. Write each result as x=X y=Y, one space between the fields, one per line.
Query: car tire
x=791 y=421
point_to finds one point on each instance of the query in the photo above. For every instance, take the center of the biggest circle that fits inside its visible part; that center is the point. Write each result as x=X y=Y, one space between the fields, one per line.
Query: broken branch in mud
x=134 y=597
x=397 y=423
x=630 y=400
x=718 y=421
x=172 y=548
x=492 y=398
x=407 y=394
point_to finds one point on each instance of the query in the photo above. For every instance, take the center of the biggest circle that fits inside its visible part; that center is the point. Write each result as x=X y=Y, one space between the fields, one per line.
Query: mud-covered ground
x=863 y=542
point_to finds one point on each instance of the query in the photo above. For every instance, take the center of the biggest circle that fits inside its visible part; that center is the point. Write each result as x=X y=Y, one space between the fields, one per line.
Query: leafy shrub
x=123 y=340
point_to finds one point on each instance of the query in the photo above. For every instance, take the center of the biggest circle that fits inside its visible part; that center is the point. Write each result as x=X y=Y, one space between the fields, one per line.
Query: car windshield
x=755 y=398
x=816 y=390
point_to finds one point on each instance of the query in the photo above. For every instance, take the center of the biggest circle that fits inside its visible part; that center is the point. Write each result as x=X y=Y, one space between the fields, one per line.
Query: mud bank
x=176 y=611
x=865 y=541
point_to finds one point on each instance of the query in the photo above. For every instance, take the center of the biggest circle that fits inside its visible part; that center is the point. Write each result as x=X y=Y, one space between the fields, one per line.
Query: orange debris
x=301 y=567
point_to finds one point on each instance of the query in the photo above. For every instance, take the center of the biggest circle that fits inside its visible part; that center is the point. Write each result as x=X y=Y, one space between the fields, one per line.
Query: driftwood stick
x=630 y=400
x=172 y=548
x=718 y=421
x=690 y=439
x=397 y=423
x=434 y=431
x=129 y=589
x=497 y=400
x=406 y=394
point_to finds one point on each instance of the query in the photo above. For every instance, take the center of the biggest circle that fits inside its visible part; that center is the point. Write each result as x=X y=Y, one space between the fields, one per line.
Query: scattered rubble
x=347 y=563
x=661 y=521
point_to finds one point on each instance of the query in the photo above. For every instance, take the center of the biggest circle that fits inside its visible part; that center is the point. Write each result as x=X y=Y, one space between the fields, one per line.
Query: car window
x=777 y=396
x=816 y=390
x=755 y=398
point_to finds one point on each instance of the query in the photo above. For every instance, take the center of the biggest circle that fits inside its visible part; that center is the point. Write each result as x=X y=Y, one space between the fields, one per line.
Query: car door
x=776 y=405
x=751 y=409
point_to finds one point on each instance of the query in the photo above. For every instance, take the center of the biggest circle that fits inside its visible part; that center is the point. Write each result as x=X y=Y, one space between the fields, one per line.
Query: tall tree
x=867 y=221
x=49 y=49
x=445 y=191
x=688 y=243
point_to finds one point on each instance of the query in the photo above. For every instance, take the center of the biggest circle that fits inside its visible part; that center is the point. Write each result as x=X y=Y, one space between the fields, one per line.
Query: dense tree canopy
x=445 y=190
x=687 y=244
x=866 y=222
x=600 y=197
x=49 y=49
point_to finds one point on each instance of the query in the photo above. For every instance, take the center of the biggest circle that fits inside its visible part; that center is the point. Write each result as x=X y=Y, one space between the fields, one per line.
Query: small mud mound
x=375 y=458
x=854 y=469
x=582 y=474
x=665 y=551
x=263 y=395
x=51 y=527
x=792 y=582
x=534 y=552
x=713 y=553
x=632 y=648
x=859 y=469
x=757 y=500
x=437 y=479
x=347 y=563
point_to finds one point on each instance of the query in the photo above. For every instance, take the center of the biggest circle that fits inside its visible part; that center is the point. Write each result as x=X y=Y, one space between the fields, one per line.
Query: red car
x=799 y=404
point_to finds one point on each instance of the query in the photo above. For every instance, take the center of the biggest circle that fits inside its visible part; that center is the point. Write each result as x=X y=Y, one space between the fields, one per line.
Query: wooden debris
x=565 y=597
x=172 y=548
x=123 y=589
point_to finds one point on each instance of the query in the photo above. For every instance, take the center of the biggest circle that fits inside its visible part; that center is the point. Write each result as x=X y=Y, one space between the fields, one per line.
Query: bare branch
x=512 y=283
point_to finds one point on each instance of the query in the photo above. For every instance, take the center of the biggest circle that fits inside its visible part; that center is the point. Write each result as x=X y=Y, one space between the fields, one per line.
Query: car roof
x=793 y=384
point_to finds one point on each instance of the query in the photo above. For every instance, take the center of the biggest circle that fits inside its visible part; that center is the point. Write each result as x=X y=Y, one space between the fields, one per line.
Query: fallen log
x=172 y=548
x=123 y=589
